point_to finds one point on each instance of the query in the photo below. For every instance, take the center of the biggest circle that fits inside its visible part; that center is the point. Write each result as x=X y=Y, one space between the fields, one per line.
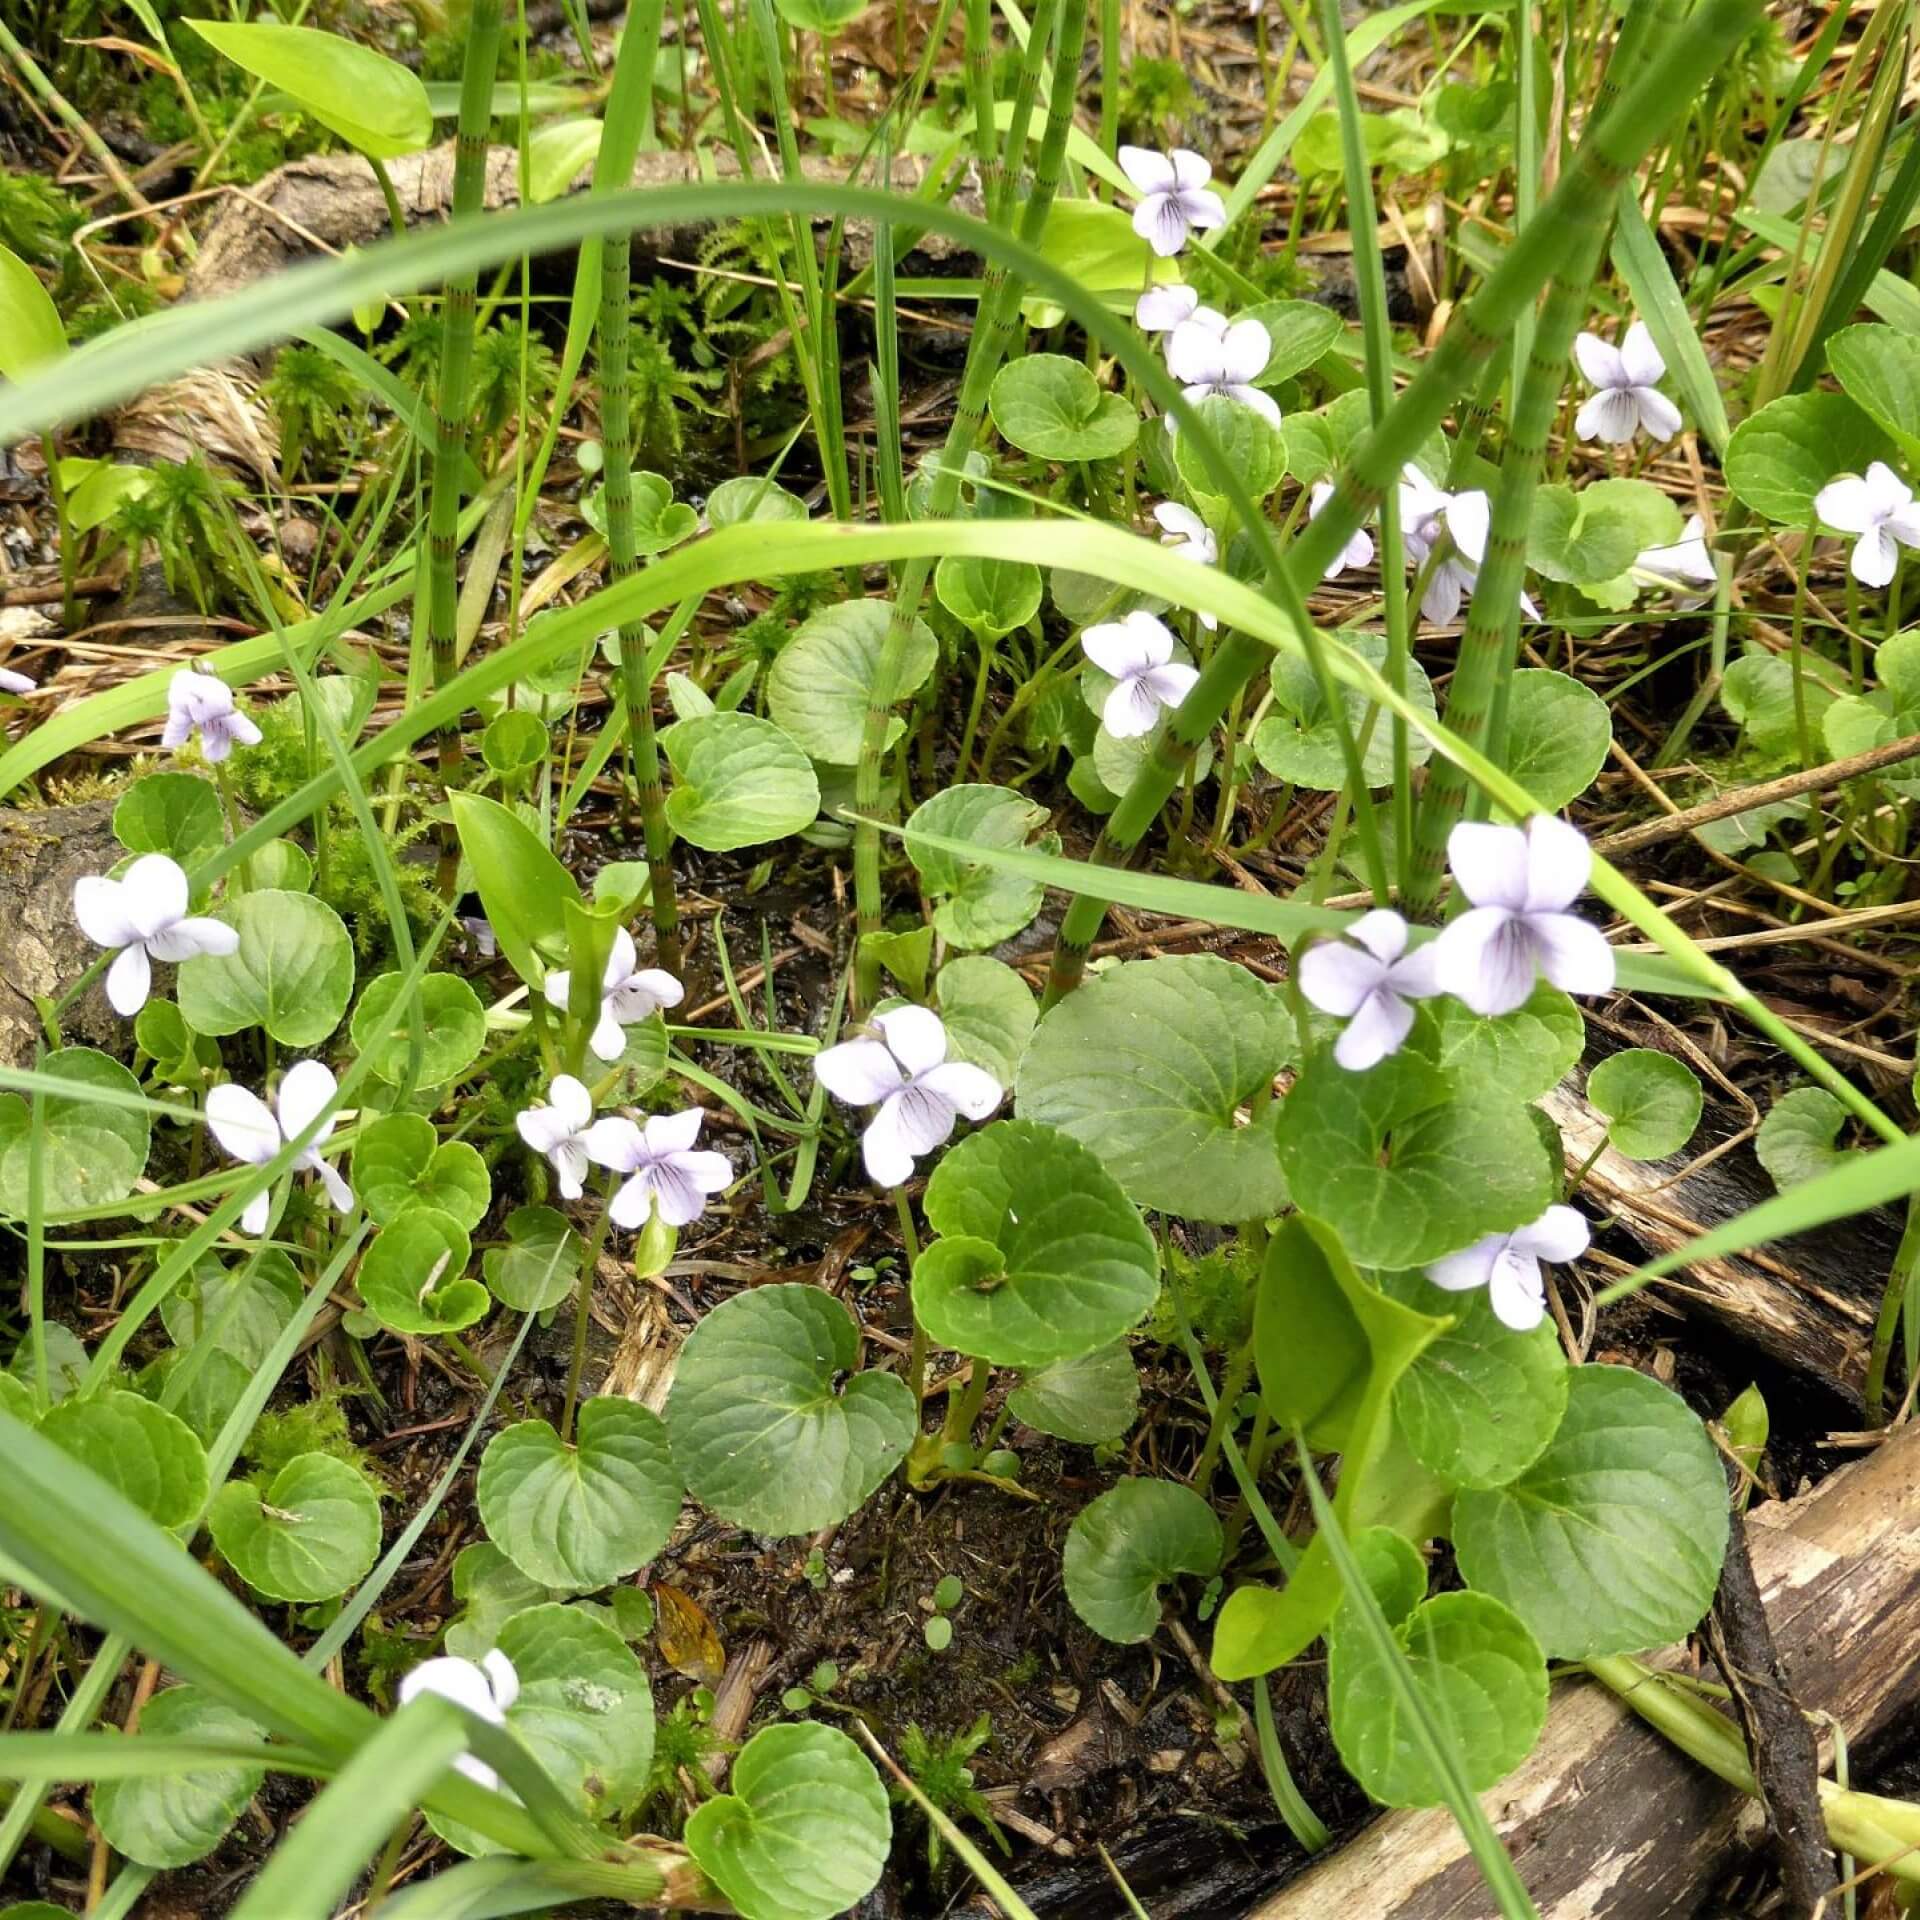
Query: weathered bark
x=1605 y=1820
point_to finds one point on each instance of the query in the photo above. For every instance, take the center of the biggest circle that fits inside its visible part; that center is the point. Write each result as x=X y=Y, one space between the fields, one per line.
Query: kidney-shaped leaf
x=989 y=1014
x=1558 y=733
x=453 y=1027
x=414 y=1277
x=759 y=1432
x=1123 y=1547
x=537 y=1267
x=1298 y=332
x=979 y=905
x=167 y=1820
x=1651 y=1101
x=399 y=1162
x=1051 y=405
x=1299 y=740
x=292 y=972
x=90 y=1154
x=177 y=814
x=308 y=1536
x=1780 y=457
x=138 y=1448
x=738 y=781
x=818 y=687
x=990 y=596
x=1797 y=1139
x=1879 y=367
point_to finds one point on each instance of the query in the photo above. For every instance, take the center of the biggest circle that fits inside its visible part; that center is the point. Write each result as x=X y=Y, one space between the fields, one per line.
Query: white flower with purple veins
x=1508 y=1266
x=663 y=1169
x=479 y=929
x=1521 y=883
x=1358 y=552
x=144 y=914
x=1683 y=566
x=486 y=1688
x=1185 y=533
x=1370 y=986
x=1626 y=389
x=1174 y=199
x=1205 y=362
x=919 y=1091
x=1137 y=651
x=252 y=1132
x=205 y=701
x=1879 y=509
x=1161 y=309
x=11 y=682
x=629 y=993
x=1429 y=515
x=559 y=1129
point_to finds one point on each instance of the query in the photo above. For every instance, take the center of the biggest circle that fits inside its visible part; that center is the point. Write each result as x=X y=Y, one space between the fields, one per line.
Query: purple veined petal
x=187 y=938
x=1203 y=209
x=1338 y=978
x=971 y=1090
x=1658 y=414
x=1469 y=1268
x=154 y=892
x=914 y=1037
x=1149 y=171
x=1560 y=1234
x=1160 y=222
x=557 y=988
x=1516 y=1291
x=1194 y=354
x=215 y=743
x=667 y=1133
x=1415 y=975
x=1262 y=402
x=1559 y=862
x=1131 y=709
x=676 y=1192
x=1600 y=363
x=338 y=1192
x=305 y=1089
x=544 y=1128
x=1610 y=417
x=641 y=995
x=1169 y=684
x=608 y=1040
x=1382 y=932
x=568 y=1158
x=1191 y=171
x=129 y=980
x=616 y=1143
x=101 y=910
x=1161 y=309
x=1489 y=864
x=1440 y=603
x=1904 y=524
x=860 y=1072
x=502 y=1677
x=1383 y=1022
x=883 y=1147
x=243 y=1124
x=1469 y=518
x=1572 y=953
x=1121 y=647
x=922 y=1117
x=710 y=1172
x=572 y=1101
x=1640 y=358
x=1847 y=504
x=621 y=961
x=1245 y=349
x=1875 y=557
x=255 y=1214
x=633 y=1201
x=1486 y=958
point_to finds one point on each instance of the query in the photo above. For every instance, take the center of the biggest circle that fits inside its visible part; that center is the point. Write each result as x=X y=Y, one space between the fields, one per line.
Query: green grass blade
x=112 y=1756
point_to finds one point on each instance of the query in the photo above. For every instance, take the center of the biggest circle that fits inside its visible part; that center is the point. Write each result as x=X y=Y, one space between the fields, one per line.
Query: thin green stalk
x=1615 y=144
x=1110 y=75
x=1898 y=1300
x=583 y=1315
x=1303 y=1823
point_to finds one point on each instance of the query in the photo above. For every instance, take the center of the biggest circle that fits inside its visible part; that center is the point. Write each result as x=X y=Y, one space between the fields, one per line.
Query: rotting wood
x=1605 y=1820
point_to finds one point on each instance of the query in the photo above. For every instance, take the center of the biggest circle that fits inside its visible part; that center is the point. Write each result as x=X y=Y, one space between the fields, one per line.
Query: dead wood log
x=1605 y=1820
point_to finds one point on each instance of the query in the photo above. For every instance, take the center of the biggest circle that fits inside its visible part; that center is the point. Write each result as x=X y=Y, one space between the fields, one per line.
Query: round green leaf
x=817 y=689
x=1651 y=1102
x=515 y=741
x=991 y=597
x=139 y=1449
x=283 y=865
x=580 y=1516
x=748 y=497
x=1796 y=1139
x=804 y=1833
x=493 y=1590
x=758 y=1432
x=1299 y=332
x=240 y=1309
x=399 y=1162
x=538 y=1266
x=177 y=814
x=453 y=1027
x=67 y=1362
x=293 y=973
x=91 y=1154
x=738 y=781
x=1483 y=1678
x=1050 y=405
x=1125 y=1545
x=1299 y=740
x=1595 y=533
x=371 y=102
x=1523 y=1054
x=173 y=1819
x=1781 y=456
x=1089 y=1399
x=1252 y=445
x=1758 y=691
x=414 y=1276
x=1069 y=1266
x=1402 y=1166
x=1612 y=1539
x=1558 y=733
x=1149 y=1065
x=1879 y=368
x=309 y=1536
x=979 y=905
x=989 y=1014
x=31 y=335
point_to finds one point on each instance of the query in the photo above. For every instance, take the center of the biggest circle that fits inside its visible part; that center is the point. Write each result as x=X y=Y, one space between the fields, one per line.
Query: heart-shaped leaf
x=1523 y=1054
x=580 y=1516
x=1123 y=1547
x=166 y=1820
x=1651 y=1102
x=1299 y=741
x=817 y=689
x=538 y=1266
x=1558 y=735
x=1879 y=369
x=238 y=1309
x=750 y=497
x=516 y=741
x=989 y=1014
x=177 y=814
x=400 y=1162
x=452 y=1022
x=371 y=102
x=1068 y=1264
x=804 y=1832
x=1050 y=405
x=493 y=1590
x=1594 y=533
x=1797 y=1139
x=1090 y=1399
x=979 y=906
x=1251 y=444
x=991 y=597
x=1612 y=1539
x=414 y=1276
x=292 y=973
x=1150 y=1065
x=139 y=1449
x=758 y=1431
x=1299 y=332
x=91 y=1154
x=1758 y=691
x=1781 y=456
x=310 y=1534
x=738 y=781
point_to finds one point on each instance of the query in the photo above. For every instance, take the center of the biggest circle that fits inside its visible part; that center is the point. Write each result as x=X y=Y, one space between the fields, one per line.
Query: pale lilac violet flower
x=1137 y=651
x=919 y=1091
x=1358 y=552
x=629 y=993
x=1521 y=883
x=1427 y=514
x=1685 y=565
x=1370 y=986
x=486 y=1689
x=1626 y=395
x=252 y=1132
x=1508 y=1266
x=479 y=929
x=665 y=1173
x=144 y=914
x=1880 y=509
x=1185 y=533
x=559 y=1130
x=1206 y=363
x=1174 y=199
x=1161 y=309
x=205 y=701
x=17 y=683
